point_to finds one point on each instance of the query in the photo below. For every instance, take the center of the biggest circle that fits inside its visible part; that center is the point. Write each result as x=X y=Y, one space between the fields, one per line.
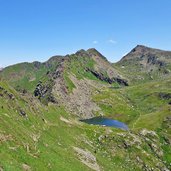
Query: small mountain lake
x=105 y=122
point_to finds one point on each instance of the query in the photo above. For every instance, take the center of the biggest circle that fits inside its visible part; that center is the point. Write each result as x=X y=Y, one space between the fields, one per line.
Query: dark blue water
x=105 y=122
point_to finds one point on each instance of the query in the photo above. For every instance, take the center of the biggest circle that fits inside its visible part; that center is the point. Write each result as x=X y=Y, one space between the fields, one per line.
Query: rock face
x=79 y=102
x=101 y=77
x=153 y=60
x=4 y=93
x=26 y=167
x=87 y=158
x=43 y=92
x=165 y=96
x=166 y=124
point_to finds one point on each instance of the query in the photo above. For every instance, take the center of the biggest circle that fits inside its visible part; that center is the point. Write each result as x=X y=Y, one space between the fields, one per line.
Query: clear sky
x=38 y=29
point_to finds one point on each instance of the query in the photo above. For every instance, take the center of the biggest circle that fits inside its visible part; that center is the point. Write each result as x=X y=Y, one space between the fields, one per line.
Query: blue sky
x=37 y=29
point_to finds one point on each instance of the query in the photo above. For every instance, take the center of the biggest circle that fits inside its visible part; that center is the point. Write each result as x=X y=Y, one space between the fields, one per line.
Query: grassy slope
x=27 y=75
x=24 y=75
x=42 y=141
x=33 y=141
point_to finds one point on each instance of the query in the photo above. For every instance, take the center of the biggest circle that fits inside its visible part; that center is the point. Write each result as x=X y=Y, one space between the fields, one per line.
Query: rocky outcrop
x=26 y=167
x=22 y=113
x=5 y=93
x=87 y=158
x=44 y=92
x=165 y=96
x=153 y=60
x=121 y=81
x=5 y=137
x=101 y=77
x=43 y=89
x=37 y=64
x=166 y=123
x=39 y=90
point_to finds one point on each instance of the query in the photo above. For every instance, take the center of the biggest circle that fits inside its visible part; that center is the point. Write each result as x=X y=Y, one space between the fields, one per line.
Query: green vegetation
x=69 y=84
x=24 y=76
x=77 y=65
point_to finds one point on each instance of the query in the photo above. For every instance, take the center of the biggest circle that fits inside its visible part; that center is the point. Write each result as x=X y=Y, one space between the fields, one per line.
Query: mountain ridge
x=65 y=79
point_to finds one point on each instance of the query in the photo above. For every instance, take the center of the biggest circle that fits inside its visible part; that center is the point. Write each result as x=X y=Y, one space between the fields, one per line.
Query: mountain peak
x=141 y=46
x=145 y=49
x=146 y=63
x=140 y=49
x=82 y=52
x=93 y=51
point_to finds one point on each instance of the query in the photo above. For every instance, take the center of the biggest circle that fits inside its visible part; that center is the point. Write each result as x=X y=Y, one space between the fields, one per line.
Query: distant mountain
x=143 y=63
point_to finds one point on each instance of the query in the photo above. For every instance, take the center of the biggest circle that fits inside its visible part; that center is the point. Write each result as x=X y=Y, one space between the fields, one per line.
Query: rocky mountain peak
x=93 y=50
x=140 y=49
x=95 y=53
x=145 y=63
